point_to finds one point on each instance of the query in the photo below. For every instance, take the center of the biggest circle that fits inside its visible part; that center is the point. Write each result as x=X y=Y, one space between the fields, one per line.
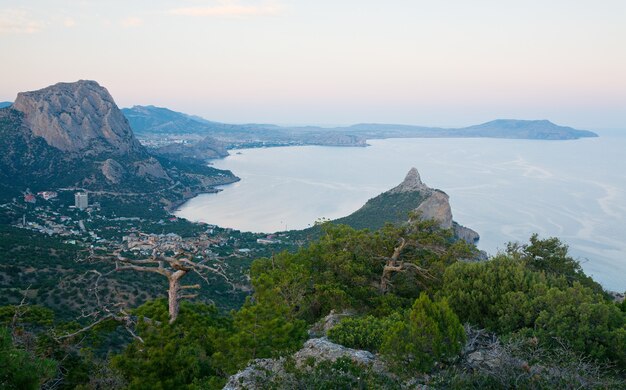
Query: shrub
x=430 y=333
x=363 y=332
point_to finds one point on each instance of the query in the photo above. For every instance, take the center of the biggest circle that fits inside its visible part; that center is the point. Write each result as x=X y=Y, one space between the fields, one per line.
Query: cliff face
x=74 y=135
x=78 y=117
x=435 y=205
x=394 y=206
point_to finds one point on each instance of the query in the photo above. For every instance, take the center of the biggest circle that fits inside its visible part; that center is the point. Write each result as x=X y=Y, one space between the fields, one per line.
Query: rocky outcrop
x=260 y=371
x=77 y=117
x=113 y=171
x=411 y=183
x=72 y=135
x=435 y=205
x=206 y=149
x=151 y=168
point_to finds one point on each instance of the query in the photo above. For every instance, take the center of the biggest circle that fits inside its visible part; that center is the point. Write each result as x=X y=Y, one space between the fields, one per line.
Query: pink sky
x=447 y=63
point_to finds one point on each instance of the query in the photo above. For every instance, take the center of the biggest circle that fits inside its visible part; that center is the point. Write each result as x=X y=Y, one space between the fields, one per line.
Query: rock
x=323 y=349
x=321 y=328
x=464 y=233
x=262 y=371
x=437 y=207
x=412 y=182
x=113 y=171
x=151 y=167
x=77 y=117
x=258 y=373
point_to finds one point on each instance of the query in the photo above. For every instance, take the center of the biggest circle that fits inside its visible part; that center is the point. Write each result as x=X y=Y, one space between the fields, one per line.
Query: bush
x=430 y=333
x=20 y=369
x=363 y=332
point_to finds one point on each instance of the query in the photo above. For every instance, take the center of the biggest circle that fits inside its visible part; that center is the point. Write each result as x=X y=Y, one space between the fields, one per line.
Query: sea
x=506 y=190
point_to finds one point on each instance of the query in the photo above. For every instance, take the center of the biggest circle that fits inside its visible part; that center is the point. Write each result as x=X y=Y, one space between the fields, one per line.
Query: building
x=47 y=195
x=80 y=200
x=29 y=198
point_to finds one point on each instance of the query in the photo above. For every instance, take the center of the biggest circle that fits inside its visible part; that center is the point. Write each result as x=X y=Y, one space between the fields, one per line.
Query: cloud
x=16 y=21
x=132 y=22
x=229 y=8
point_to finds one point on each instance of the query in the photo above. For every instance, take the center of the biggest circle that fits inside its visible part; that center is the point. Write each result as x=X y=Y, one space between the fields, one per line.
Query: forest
x=412 y=295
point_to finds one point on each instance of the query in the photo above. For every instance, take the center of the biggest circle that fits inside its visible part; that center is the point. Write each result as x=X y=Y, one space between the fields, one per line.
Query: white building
x=80 y=200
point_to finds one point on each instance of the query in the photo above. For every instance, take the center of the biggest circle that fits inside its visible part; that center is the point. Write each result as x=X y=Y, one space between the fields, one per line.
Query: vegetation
x=557 y=326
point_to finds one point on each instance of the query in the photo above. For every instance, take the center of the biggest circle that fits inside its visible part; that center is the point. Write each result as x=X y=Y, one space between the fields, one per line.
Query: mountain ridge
x=73 y=135
x=150 y=121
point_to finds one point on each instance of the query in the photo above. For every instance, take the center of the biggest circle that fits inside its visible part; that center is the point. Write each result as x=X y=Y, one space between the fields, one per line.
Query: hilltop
x=73 y=135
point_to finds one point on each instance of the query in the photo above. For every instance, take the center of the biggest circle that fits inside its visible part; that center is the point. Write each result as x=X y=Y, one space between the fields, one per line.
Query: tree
x=174 y=268
x=174 y=355
x=431 y=332
x=21 y=369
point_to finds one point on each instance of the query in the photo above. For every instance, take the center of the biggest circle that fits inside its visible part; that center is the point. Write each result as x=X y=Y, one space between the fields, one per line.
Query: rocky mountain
x=411 y=195
x=5 y=104
x=78 y=117
x=74 y=135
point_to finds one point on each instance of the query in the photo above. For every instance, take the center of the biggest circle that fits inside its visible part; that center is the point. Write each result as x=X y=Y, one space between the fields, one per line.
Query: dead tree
x=394 y=265
x=174 y=268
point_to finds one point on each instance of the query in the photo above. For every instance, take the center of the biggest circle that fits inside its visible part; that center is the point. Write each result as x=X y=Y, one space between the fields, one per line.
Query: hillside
x=72 y=135
x=396 y=205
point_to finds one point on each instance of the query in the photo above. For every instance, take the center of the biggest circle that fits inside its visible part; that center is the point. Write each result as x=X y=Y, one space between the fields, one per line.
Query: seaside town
x=83 y=222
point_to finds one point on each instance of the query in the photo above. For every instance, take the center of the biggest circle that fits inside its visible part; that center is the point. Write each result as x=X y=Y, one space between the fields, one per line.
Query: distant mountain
x=5 y=104
x=412 y=195
x=73 y=135
x=510 y=128
x=149 y=121
x=155 y=122
x=501 y=128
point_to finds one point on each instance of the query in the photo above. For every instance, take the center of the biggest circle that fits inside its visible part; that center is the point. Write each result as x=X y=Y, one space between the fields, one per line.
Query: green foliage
x=261 y=330
x=21 y=369
x=343 y=373
x=343 y=270
x=385 y=208
x=363 y=332
x=172 y=356
x=551 y=256
x=508 y=296
x=493 y=294
x=430 y=333
x=583 y=320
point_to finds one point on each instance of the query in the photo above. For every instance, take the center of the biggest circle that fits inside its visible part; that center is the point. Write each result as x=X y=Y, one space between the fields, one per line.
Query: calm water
x=504 y=189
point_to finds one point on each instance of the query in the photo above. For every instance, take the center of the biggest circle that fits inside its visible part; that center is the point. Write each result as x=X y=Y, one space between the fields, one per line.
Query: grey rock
x=77 y=117
x=321 y=328
x=152 y=168
x=113 y=171
x=437 y=207
x=324 y=349
x=259 y=372
x=411 y=183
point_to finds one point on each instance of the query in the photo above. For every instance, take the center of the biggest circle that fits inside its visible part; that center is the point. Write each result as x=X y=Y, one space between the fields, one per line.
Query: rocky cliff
x=74 y=135
x=410 y=195
x=78 y=117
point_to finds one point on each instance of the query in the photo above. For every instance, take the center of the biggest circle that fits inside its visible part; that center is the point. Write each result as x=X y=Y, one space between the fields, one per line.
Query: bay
x=504 y=189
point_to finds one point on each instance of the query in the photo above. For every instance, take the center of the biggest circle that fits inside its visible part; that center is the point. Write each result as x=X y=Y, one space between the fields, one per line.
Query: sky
x=423 y=62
